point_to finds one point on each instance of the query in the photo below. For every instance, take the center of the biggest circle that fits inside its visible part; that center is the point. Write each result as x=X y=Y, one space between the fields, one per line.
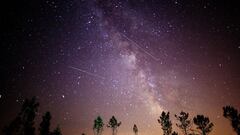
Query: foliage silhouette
x=14 y=127
x=56 y=131
x=184 y=124
x=165 y=123
x=113 y=124
x=232 y=114
x=44 y=128
x=135 y=129
x=98 y=126
x=23 y=124
x=174 y=133
x=203 y=123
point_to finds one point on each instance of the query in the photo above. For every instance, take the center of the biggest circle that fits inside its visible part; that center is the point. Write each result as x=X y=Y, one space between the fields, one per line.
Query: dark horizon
x=87 y=58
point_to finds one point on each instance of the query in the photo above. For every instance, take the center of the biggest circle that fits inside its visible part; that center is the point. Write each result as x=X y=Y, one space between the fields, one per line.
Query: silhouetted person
x=232 y=114
x=113 y=124
x=98 y=126
x=203 y=123
x=184 y=122
x=45 y=124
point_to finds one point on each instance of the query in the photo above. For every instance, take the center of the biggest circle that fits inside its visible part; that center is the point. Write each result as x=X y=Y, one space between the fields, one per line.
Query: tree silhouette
x=203 y=123
x=28 y=113
x=14 y=127
x=232 y=114
x=45 y=124
x=165 y=123
x=98 y=126
x=56 y=131
x=135 y=129
x=113 y=124
x=23 y=124
x=184 y=124
x=174 y=133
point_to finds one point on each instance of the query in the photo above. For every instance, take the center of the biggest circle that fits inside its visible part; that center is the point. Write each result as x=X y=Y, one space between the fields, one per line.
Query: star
x=131 y=59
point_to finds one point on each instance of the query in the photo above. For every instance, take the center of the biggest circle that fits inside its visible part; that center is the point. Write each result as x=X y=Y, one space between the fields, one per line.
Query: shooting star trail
x=138 y=46
x=86 y=72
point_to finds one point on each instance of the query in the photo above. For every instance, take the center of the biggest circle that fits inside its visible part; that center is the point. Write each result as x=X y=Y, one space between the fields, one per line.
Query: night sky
x=132 y=59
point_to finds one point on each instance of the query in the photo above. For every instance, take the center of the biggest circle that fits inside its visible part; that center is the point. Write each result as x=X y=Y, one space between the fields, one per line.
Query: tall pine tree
x=114 y=124
x=98 y=126
x=203 y=123
x=23 y=124
x=166 y=123
x=184 y=122
x=44 y=128
x=232 y=114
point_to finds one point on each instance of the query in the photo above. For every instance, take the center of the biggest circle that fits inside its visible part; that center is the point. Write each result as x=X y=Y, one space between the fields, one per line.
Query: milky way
x=131 y=59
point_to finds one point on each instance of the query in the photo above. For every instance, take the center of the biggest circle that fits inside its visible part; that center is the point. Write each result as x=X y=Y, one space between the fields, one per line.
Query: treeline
x=184 y=123
x=23 y=124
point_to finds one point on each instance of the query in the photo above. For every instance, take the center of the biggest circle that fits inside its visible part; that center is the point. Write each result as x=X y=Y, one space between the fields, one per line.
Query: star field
x=132 y=59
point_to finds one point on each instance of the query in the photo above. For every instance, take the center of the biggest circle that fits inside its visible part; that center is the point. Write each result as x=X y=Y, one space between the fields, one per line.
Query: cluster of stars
x=130 y=59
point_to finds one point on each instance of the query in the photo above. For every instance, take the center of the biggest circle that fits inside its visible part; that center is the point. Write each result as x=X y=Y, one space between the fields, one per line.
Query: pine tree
x=28 y=115
x=23 y=124
x=203 y=123
x=113 y=124
x=57 y=131
x=174 y=133
x=232 y=114
x=184 y=124
x=45 y=124
x=14 y=127
x=98 y=126
x=135 y=129
x=165 y=123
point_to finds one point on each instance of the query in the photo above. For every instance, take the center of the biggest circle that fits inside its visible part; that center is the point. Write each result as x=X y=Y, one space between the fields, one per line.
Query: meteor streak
x=86 y=72
x=138 y=46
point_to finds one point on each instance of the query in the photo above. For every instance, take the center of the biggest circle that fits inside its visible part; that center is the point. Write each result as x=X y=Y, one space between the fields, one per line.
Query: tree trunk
x=113 y=130
x=185 y=131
